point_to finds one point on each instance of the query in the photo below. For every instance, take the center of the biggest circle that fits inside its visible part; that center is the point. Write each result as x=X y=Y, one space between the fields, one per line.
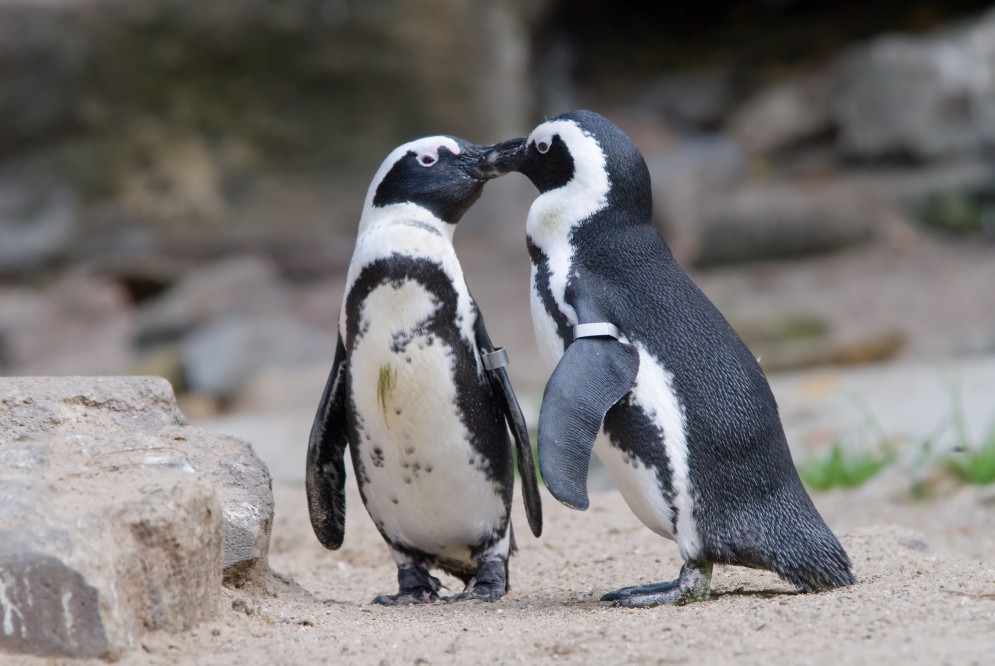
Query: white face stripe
x=428 y=145
x=554 y=214
x=587 y=191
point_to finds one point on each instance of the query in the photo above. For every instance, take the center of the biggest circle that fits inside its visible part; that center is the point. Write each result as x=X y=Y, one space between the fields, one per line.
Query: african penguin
x=417 y=390
x=690 y=431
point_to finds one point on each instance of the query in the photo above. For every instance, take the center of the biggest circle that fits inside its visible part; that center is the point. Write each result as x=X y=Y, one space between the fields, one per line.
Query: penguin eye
x=542 y=147
x=427 y=160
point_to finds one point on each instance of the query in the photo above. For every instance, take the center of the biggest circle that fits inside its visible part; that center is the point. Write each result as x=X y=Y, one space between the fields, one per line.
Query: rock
x=94 y=566
x=784 y=219
x=283 y=387
x=684 y=178
x=37 y=222
x=695 y=99
x=920 y=97
x=115 y=518
x=242 y=285
x=166 y=361
x=43 y=332
x=43 y=56
x=279 y=438
x=783 y=115
x=243 y=487
x=221 y=357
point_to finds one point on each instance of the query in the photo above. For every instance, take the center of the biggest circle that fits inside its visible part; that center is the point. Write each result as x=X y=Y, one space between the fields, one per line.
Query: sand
x=926 y=595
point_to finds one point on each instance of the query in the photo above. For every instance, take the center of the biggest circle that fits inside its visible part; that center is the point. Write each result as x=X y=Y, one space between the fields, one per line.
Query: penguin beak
x=501 y=158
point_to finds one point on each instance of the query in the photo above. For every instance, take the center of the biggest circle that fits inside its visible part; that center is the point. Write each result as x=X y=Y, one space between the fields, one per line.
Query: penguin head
x=437 y=173
x=580 y=149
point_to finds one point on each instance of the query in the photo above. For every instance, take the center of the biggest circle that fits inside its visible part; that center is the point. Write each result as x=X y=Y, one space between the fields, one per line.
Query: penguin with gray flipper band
x=657 y=384
x=417 y=391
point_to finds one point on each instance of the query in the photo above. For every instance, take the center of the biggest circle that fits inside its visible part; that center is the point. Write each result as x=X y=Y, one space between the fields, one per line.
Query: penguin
x=418 y=392
x=689 y=428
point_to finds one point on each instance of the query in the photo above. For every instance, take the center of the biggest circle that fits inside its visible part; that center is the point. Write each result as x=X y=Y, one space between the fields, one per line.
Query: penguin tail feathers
x=817 y=564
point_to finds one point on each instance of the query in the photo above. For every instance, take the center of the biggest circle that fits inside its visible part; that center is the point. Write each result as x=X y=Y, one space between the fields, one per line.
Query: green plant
x=973 y=464
x=843 y=468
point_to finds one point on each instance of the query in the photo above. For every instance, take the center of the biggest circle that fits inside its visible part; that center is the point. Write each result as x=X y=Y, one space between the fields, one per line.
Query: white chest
x=424 y=483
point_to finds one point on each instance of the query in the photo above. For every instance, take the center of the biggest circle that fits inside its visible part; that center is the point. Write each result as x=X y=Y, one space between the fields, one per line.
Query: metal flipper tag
x=596 y=330
x=495 y=359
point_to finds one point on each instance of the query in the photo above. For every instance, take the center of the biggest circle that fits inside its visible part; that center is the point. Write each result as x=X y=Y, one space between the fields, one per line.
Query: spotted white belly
x=425 y=485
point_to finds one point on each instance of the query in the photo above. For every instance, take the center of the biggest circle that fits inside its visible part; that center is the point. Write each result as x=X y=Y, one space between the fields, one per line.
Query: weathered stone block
x=116 y=519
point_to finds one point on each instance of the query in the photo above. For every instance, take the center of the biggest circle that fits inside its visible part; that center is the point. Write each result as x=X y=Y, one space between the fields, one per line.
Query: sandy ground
x=926 y=595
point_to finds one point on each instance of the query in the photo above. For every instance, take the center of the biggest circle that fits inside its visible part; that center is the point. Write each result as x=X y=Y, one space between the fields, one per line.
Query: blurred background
x=180 y=183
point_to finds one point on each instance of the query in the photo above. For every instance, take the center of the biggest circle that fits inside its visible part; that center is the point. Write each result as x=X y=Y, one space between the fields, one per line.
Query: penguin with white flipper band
x=650 y=376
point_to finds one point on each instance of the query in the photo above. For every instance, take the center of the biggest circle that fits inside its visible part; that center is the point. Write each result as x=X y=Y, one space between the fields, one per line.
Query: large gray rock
x=783 y=115
x=244 y=285
x=920 y=97
x=44 y=331
x=695 y=99
x=115 y=518
x=784 y=219
x=223 y=356
x=37 y=221
x=684 y=178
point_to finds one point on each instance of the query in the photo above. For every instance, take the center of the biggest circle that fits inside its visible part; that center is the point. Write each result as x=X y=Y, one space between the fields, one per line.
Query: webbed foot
x=490 y=583
x=417 y=586
x=693 y=584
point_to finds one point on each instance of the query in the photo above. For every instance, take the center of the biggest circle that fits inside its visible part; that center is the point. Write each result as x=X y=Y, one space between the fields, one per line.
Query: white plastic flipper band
x=495 y=359
x=596 y=330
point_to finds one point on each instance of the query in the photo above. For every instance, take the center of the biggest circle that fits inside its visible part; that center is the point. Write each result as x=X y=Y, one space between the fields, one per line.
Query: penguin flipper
x=523 y=449
x=519 y=431
x=325 y=474
x=593 y=374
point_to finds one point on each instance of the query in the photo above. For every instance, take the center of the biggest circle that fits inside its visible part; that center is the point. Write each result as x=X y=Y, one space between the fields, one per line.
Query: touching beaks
x=501 y=158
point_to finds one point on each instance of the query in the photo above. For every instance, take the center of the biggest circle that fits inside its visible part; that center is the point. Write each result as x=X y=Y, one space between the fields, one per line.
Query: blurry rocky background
x=180 y=181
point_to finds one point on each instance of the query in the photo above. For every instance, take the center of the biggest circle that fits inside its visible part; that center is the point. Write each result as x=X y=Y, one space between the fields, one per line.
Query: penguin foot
x=417 y=586
x=490 y=583
x=641 y=590
x=405 y=599
x=694 y=584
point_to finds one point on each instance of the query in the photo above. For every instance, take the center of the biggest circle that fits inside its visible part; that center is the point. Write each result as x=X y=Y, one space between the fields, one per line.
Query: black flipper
x=592 y=375
x=519 y=431
x=325 y=475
